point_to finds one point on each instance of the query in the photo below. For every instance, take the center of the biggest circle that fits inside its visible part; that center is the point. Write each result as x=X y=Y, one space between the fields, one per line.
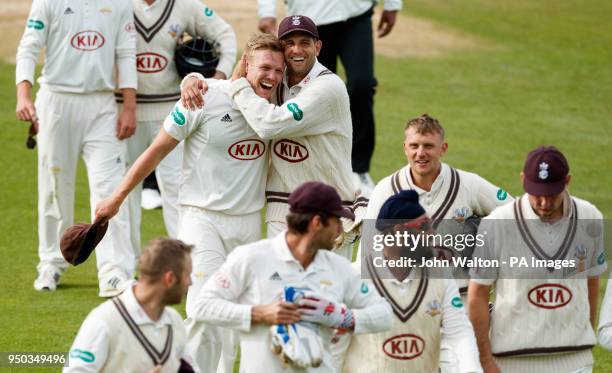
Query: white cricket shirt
x=256 y=274
x=225 y=163
x=324 y=12
x=84 y=42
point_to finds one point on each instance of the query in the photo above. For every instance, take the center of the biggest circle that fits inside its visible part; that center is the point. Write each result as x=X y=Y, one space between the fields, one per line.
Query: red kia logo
x=549 y=296
x=290 y=151
x=404 y=346
x=247 y=150
x=150 y=62
x=87 y=40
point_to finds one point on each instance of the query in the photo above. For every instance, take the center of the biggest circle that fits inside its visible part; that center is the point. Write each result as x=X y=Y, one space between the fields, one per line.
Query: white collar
x=437 y=184
x=282 y=249
x=529 y=214
x=137 y=313
x=317 y=68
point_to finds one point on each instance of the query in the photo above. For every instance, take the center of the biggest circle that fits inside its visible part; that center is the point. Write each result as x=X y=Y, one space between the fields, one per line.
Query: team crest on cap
x=296 y=20
x=433 y=308
x=543 y=174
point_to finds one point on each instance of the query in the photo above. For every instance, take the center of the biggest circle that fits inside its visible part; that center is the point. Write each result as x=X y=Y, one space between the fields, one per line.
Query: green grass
x=546 y=80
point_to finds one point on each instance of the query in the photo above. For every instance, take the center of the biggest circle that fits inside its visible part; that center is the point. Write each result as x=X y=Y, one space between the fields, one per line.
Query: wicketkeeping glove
x=317 y=308
x=298 y=344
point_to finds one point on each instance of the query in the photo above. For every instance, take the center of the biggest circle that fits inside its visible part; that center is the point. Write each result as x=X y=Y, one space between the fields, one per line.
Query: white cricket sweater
x=159 y=27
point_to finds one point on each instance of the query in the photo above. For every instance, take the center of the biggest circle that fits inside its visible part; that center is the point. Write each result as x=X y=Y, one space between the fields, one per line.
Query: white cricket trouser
x=214 y=235
x=168 y=174
x=273 y=228
x=74 y=125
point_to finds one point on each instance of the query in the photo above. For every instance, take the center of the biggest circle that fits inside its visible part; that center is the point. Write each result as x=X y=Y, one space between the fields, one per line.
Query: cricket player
x=543 y=319
x=345 y=28
x=224 y=173
x=244 y=293
x=310 y=127
x=77 y=116
x=605 y=319
x=427 y=308
x=138 y=331
x=450 y=196
x=160 y=25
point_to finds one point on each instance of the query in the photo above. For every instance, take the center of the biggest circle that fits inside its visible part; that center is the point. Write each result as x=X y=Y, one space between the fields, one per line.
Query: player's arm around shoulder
x=90 y=348
x=372 y=312
x=312 y=112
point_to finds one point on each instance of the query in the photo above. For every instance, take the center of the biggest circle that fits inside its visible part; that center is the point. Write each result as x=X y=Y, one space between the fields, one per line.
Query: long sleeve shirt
x=84 y=43
x=256 y=274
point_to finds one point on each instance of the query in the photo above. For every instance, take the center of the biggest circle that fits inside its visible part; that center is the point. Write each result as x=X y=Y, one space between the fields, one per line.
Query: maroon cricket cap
x=314 y=196
x=80 y=240
x=297 y=23
x=545 y=171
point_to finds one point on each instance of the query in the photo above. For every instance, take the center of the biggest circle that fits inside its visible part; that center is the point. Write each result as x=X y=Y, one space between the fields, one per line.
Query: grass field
x=542 y=76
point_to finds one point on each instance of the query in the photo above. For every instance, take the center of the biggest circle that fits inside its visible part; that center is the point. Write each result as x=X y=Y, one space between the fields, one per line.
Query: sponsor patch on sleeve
x=178 y=117
x=84 y=355
x=364 y=288
x=501 y=194
x=601 y=259
x=298 y=114
x=456 y=302
x=208 y=12
x=36 y=24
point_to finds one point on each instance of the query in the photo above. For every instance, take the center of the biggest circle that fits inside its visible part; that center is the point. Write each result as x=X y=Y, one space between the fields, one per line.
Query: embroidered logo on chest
x=247 y=150
x=290 y=151
x=549 y=296
x=404 y=347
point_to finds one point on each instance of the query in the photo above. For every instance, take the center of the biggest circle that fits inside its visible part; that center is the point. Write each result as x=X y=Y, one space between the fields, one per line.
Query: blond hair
x=162 y=255
x=425 y=124
x=260 y=41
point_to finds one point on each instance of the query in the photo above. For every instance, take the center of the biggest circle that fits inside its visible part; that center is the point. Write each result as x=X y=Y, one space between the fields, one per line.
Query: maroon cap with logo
x=545 y=171
x=297 y=23
x=80 y=240
x=314 y=196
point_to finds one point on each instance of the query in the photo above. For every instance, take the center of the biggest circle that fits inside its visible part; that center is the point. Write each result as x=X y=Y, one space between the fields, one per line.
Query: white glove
x=316 y=308
x=298 y=345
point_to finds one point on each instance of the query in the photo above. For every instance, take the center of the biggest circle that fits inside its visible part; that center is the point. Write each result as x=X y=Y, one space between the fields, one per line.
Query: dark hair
x=425 y=124
x=162 y=255
x=298 y=222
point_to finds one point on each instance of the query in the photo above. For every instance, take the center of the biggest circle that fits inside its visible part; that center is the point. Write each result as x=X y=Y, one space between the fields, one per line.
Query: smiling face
x=301 y=51
x=424 y=151
x=265 y=71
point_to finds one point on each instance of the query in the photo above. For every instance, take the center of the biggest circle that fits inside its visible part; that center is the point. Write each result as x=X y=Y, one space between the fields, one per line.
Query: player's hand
x=156 y=369
x=267 y=25
x=387 y=21
x=219 y=75
x=25 y=110
x=276 y=313
x=317 y=308
x=240 y=69
x=489 y=365
x=126 y=125
x=106 y=209
x=192 y=93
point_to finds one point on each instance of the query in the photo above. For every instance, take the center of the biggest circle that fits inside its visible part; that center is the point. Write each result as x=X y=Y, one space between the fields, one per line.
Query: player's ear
x=444 y=148
x=568 y=178
x=169 y=278
x=523 y=178
x=318 y=46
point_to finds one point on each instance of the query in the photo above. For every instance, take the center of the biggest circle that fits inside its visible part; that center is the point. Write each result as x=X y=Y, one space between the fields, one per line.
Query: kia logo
x=290 y=151
x=549 y=296
x=87 y=40
x=247 y=150
x=150 y=62
x=404 y=346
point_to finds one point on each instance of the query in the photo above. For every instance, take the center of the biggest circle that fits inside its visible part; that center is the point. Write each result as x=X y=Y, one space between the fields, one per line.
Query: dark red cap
x=80 y=240
x=545 y=171
x=314 y=196
x=297 y=23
